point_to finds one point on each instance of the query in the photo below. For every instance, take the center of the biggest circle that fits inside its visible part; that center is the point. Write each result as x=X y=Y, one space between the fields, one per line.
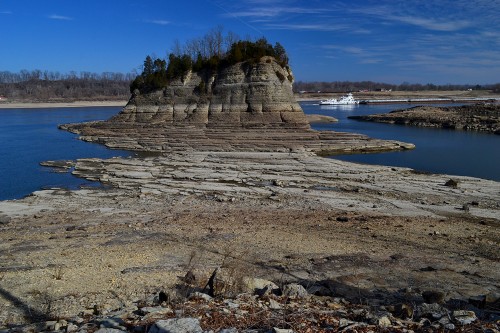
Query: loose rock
x=295 y=290
x=177 y=325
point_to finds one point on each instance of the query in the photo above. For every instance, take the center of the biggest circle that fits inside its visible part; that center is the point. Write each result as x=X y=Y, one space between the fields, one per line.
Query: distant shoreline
x=306 y=97
x=122 y=103
x=76 y=104
x=402 y=95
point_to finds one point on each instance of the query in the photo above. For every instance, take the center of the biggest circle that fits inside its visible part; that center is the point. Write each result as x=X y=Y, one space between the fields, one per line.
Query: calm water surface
x=437 y=150
x=30 y=136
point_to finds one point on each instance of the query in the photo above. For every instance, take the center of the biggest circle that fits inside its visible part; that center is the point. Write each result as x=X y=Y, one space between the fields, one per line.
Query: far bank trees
x=40 y=85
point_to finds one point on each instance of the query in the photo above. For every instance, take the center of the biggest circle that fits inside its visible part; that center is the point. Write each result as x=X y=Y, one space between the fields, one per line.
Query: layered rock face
x=247 y=95
x=477 y=117
x=244 y=107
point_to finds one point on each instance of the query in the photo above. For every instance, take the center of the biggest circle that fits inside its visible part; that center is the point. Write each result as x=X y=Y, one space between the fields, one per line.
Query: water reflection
x=345 y=107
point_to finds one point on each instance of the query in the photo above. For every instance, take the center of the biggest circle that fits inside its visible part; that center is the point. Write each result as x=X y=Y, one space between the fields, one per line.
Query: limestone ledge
x=478 y=117
x=163 y=139
x=258 y=175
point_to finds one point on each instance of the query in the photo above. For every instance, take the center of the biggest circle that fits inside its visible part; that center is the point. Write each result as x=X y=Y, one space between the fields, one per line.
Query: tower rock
x=241 y=95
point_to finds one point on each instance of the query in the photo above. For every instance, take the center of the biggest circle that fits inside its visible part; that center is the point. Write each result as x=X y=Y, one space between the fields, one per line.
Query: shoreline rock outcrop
x=357 y=230
x=244 y=94
x=477 y=117
x=245 y=107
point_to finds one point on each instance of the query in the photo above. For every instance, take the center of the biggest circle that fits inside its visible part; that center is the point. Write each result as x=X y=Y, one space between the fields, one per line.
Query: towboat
x=344 y=100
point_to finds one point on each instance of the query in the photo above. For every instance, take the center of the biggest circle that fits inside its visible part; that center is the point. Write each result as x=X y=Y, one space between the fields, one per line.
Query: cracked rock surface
x=353 y=229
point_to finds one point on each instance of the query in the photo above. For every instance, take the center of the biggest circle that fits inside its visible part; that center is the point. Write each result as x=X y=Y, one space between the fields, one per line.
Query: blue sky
x=418 y=41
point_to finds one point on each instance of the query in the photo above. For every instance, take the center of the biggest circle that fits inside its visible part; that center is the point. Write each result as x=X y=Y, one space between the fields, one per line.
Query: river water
x=30 y=136
x=452 y=152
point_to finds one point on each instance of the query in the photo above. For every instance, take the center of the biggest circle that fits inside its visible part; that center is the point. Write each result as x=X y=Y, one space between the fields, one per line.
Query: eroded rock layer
x=161 y=139
x=478 y=117
x=244 y=94
x=244 y=107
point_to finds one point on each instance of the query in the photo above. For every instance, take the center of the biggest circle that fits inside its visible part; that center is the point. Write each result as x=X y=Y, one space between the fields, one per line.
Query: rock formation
x=247 y=106
x=239 y=95
x=477 y=117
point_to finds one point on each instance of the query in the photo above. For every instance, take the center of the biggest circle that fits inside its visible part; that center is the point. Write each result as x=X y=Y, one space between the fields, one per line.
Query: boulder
x=177 y=325
x=431 y=311
x=4 y=219
x=433 y=296
x=258 y=286
x=295 y=290
x=117 y=323
x=464 y=317
x=451 y=183
x=110 y=330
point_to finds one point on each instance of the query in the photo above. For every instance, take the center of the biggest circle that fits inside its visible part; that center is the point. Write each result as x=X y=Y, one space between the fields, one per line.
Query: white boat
x=344 y=100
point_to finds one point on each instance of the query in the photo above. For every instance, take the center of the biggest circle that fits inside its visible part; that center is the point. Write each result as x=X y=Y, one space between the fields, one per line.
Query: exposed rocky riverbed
x=379 y=236
x=229 y=188
x=476 y=117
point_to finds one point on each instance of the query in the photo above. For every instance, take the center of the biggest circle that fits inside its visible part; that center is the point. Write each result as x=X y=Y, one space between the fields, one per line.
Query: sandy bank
x=77 y=104
x=320 y=119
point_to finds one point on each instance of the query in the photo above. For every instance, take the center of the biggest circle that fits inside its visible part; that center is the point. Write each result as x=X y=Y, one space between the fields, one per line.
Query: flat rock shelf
x=478 y=117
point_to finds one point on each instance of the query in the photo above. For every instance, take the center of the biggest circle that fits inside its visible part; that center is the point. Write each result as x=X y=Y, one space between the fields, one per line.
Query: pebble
x=71 y=328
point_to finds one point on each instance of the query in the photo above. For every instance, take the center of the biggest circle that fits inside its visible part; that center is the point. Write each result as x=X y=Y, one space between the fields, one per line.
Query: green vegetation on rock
x=206 y=54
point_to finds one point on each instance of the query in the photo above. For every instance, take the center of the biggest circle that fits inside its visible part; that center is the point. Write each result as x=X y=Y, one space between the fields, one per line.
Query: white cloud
x=346 y=49
x=434 y=16
x=159 y=22
x=311 y=27
x=431 y=24
x=60 y=17
x=272 y=12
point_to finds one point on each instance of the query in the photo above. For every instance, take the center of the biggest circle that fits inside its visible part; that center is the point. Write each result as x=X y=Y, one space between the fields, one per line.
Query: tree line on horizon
x=350 y=86
x=40 y=85
x=37 y=85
